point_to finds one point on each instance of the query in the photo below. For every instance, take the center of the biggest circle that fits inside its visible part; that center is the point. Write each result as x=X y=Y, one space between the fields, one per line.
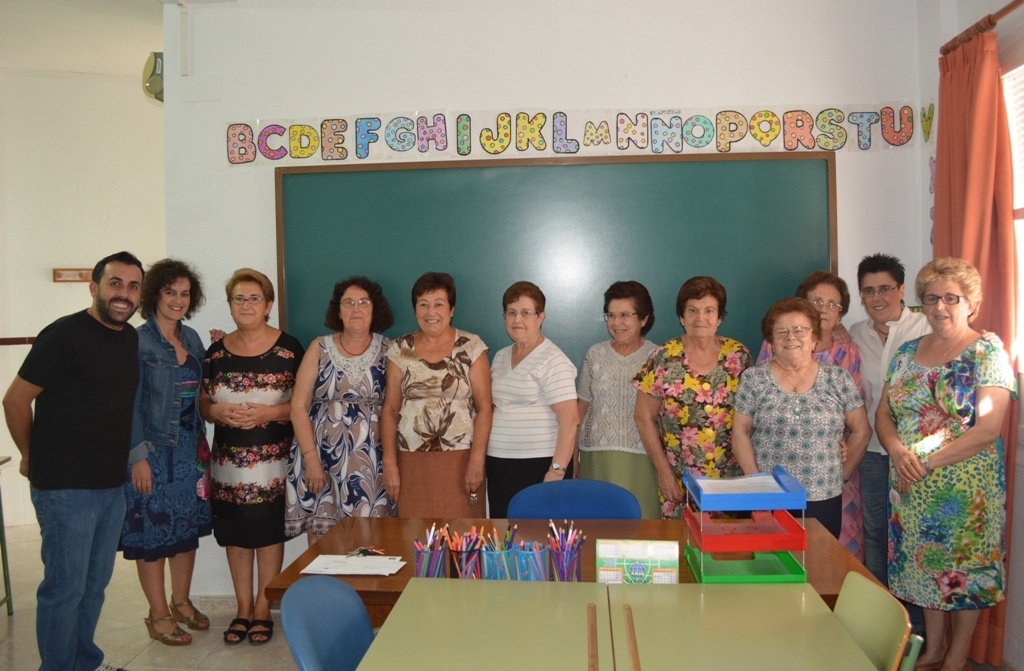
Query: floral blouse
x=437 y=409
x=695 y=419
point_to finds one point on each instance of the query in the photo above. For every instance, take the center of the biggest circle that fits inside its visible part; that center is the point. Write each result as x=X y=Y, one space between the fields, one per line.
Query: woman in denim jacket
x=167 y=493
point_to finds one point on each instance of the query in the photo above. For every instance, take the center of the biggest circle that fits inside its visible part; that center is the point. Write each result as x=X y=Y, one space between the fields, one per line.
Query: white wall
x=278 y=60
x=81 y=176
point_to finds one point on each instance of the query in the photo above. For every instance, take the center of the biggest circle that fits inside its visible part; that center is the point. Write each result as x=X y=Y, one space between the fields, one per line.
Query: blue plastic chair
x=326 y=624
x=574 y=499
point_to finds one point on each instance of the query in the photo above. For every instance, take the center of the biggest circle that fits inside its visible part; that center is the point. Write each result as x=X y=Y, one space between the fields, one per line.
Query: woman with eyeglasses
x=829 y=295
x=335 y=461
x=610 y=447
x=437 y=410
x=535 y=411
x=794 y=410
x=944 y=400
x=248 y=378
x=684 y=395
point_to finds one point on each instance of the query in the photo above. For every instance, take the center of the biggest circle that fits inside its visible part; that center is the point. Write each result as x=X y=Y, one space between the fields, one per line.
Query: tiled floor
x=121 y=633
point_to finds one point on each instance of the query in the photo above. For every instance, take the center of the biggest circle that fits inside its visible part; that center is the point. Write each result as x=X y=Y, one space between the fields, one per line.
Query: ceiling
x=103 y=37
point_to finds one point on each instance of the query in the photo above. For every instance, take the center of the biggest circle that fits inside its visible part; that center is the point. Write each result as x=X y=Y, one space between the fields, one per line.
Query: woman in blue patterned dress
x=946 y=397
x=247 y=389
x=335 y=463
x=166 y=492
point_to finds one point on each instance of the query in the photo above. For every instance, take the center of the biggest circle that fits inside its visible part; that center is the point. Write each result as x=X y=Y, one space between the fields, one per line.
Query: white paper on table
x=345 y=565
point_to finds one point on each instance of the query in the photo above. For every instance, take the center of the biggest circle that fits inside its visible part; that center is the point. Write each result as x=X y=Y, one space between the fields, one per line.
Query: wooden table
x=827 y=561
x=481 y=624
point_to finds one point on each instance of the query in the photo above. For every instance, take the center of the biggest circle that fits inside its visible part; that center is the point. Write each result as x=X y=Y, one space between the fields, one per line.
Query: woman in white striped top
x=533 y=385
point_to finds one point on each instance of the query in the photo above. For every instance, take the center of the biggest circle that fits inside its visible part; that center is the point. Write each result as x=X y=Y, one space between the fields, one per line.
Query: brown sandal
x=175 y=637
x=197 y=621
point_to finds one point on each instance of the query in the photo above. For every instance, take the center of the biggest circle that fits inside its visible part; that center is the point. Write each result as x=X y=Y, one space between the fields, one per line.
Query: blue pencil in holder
x=499 y=565
x=532 y=562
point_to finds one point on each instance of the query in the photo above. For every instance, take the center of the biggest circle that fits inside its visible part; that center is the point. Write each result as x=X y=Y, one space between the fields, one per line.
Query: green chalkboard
x=757 y=223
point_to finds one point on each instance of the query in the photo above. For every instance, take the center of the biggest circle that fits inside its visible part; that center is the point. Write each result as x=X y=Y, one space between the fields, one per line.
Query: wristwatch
x=555 y=466
x=927 y=467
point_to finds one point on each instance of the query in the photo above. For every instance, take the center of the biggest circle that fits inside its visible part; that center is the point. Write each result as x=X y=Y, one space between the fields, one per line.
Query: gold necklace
x=950 y=348
x=800 y=376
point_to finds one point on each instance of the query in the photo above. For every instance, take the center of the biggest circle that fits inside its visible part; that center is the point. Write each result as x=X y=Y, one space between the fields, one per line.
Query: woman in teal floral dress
x=947 y=394
x=684 y=401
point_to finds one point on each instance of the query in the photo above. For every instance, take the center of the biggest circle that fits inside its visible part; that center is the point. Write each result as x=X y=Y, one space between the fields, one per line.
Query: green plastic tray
x=765 y=567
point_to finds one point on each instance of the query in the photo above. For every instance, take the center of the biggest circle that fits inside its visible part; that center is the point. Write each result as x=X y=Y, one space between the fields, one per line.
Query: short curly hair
x=787 y=306
x=951 y=269
x=824 y=277
x=382 y=318
x=698 y=287
x=254 y=276
x=636 y=292
x=164 y=273
x=524 y=289
x=434 y=281
x=250 y=275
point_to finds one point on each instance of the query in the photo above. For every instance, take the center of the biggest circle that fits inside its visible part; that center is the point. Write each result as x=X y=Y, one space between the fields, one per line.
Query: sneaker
x=108 y=667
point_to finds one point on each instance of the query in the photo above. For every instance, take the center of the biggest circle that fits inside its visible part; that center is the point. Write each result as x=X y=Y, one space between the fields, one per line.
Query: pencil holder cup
x=565 y=565
x=430 y=563
x=532 y=563
x=499 y=565
x=465 y=564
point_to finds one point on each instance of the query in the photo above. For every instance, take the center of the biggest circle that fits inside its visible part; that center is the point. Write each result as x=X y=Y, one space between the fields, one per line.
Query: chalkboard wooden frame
x=778 y=276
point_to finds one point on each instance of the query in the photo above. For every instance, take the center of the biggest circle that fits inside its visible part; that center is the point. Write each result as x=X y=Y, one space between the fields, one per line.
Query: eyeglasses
x=525 y=314
x=948 y=299
x=883 y=290
x=362 y=302
x=820 y=305
x=242 y=300
x=608 y=316
x=797 y=331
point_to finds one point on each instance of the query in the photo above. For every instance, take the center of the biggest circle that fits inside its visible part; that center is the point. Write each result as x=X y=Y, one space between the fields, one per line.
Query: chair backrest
x=574 y=499
x=326 y=624
x=875 y=619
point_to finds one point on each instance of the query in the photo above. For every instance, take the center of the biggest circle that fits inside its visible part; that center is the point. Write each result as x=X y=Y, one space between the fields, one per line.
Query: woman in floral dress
x=335 y=464
x=437 y=411
x=947 y=394
x=247 y=388
x=685 y=391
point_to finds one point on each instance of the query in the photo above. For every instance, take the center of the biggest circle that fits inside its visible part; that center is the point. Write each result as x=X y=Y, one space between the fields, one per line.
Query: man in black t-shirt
x=81 y=374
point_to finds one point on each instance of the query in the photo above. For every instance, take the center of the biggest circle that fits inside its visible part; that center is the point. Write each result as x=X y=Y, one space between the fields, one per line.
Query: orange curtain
x=974 y=221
